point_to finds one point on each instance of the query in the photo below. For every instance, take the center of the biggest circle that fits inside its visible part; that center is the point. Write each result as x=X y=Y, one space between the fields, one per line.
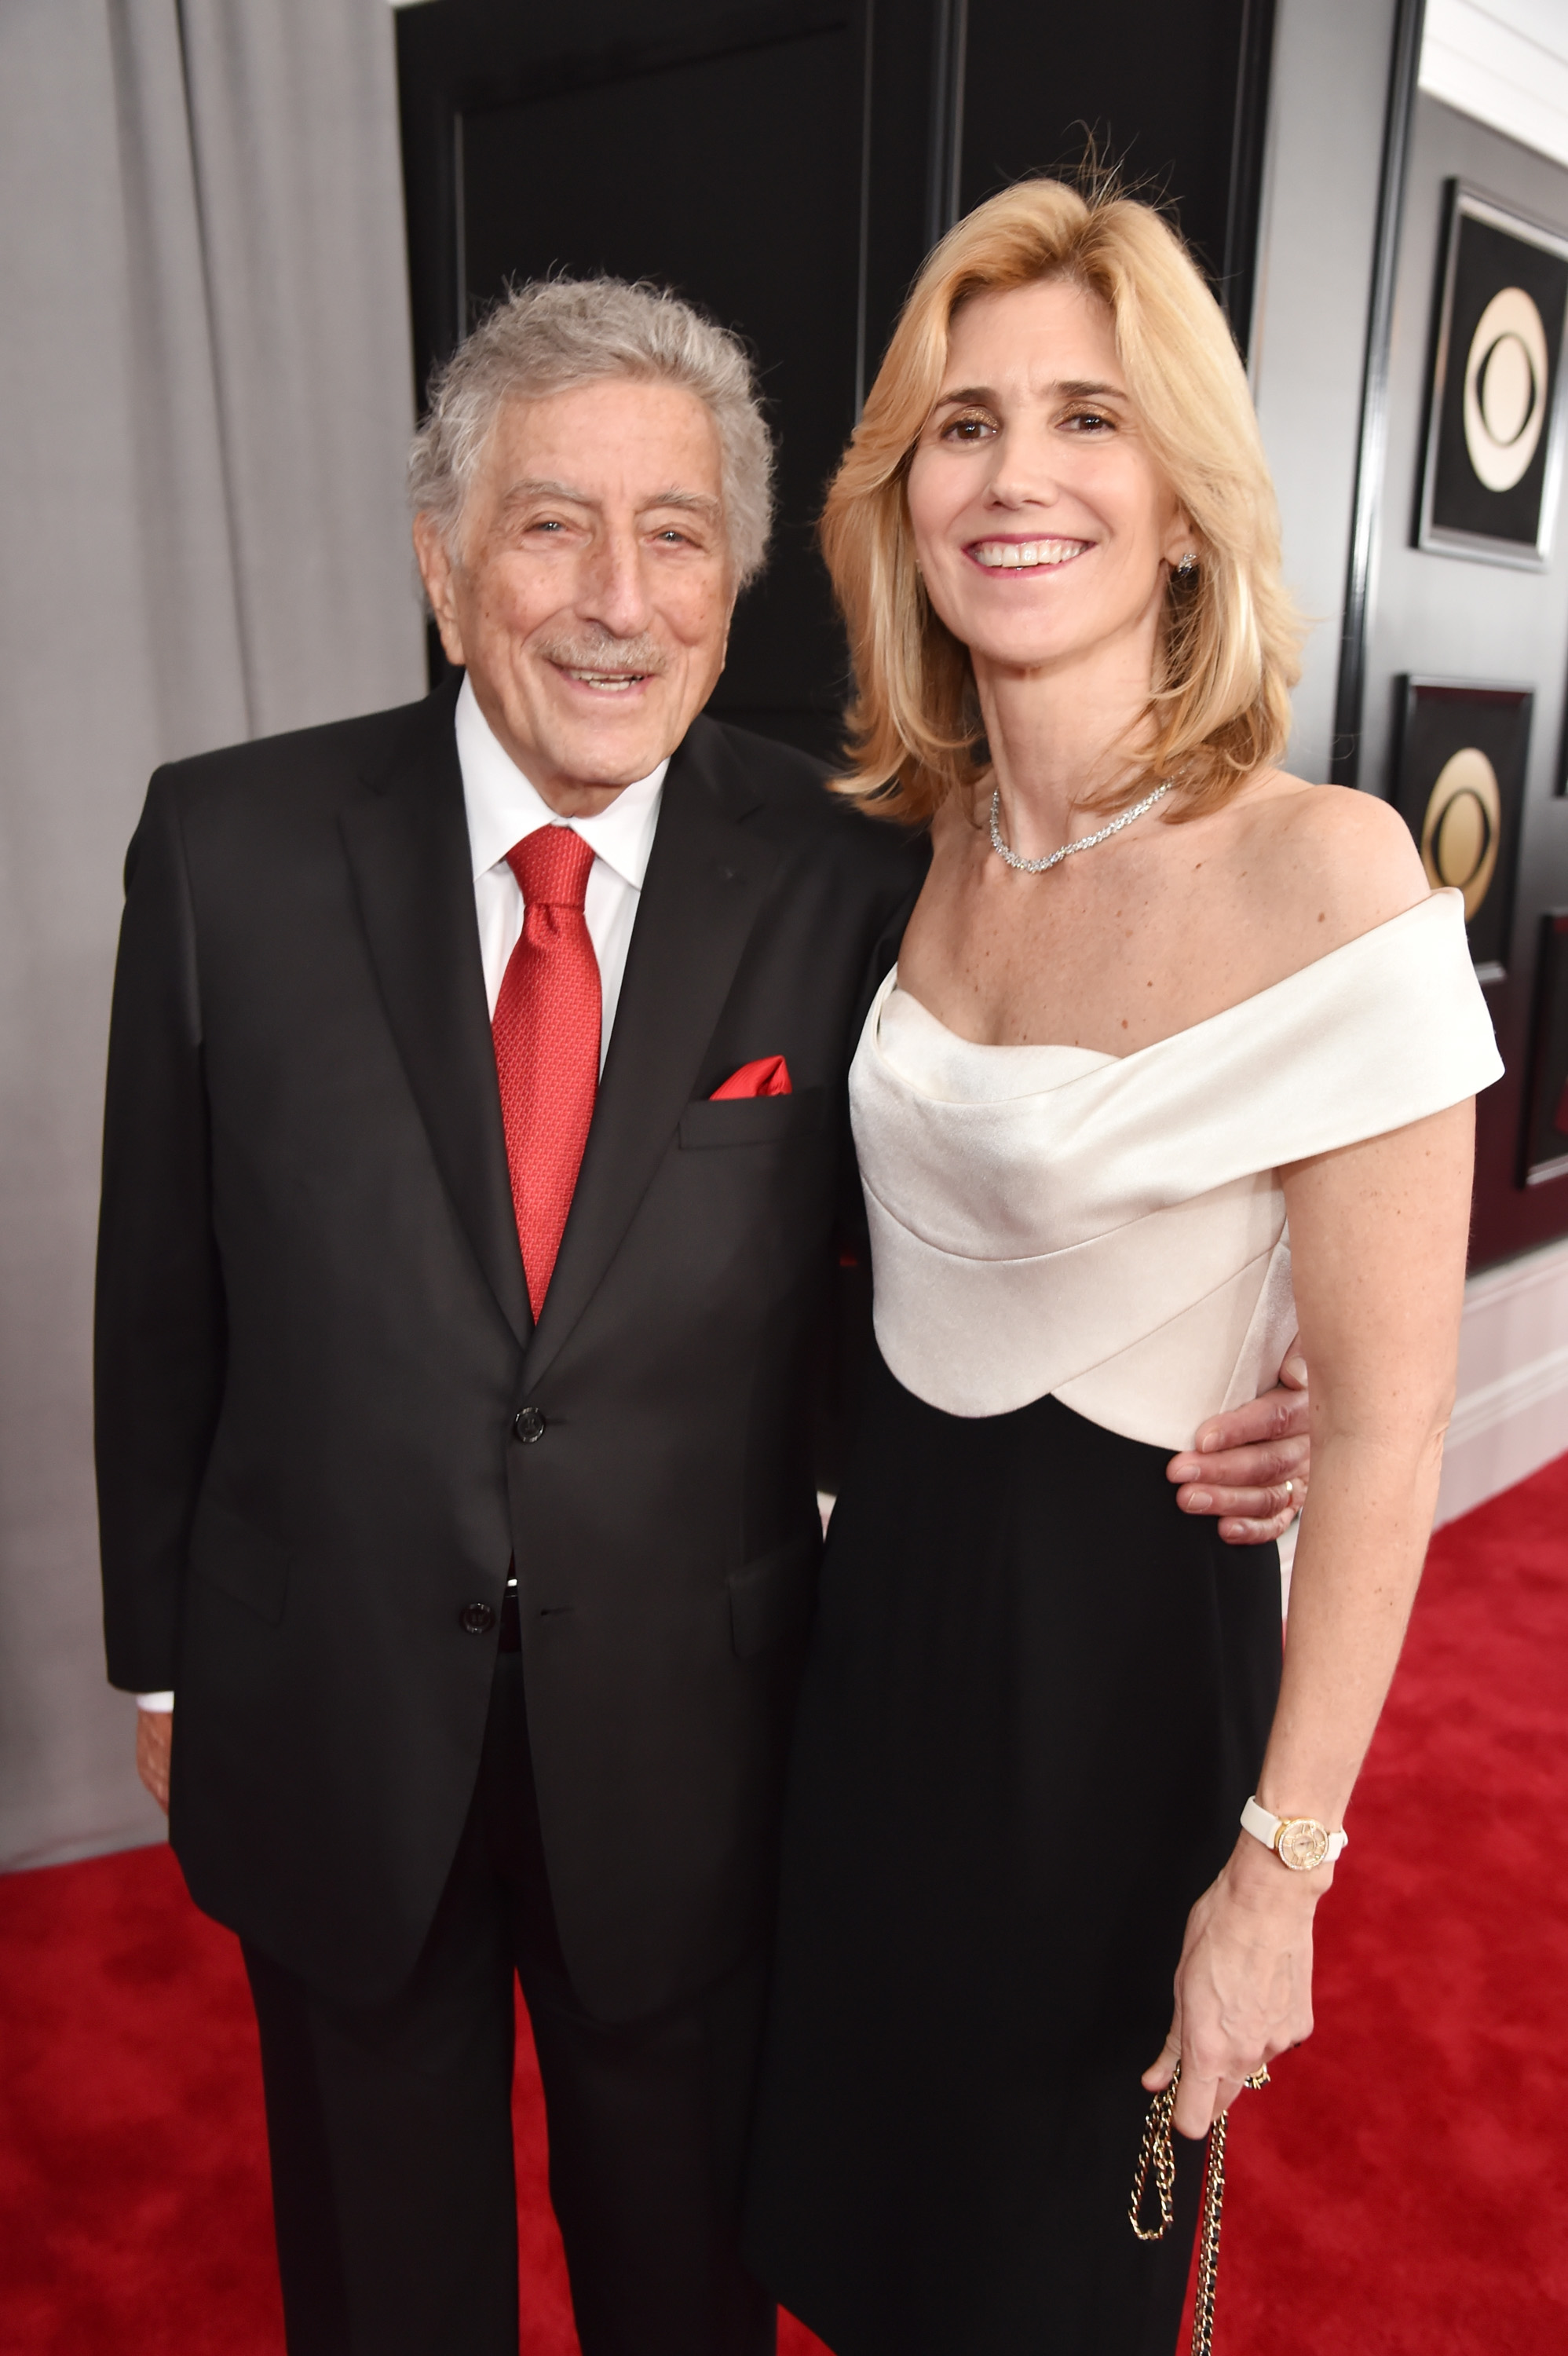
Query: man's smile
x=605 y=683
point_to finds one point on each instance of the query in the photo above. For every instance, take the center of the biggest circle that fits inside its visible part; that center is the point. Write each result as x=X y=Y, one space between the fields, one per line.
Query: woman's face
x=1042 y=525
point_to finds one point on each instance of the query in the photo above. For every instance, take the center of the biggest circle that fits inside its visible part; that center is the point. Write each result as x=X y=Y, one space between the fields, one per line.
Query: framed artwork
x=1546 y=1103
x=1459 y=788
x=1495 y=423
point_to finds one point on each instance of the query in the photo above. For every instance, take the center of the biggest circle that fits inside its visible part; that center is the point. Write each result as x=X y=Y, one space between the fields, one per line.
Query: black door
x=788 y=167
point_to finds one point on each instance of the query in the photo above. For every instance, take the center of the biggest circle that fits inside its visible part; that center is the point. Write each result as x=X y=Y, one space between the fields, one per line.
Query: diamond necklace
x=1084 y=841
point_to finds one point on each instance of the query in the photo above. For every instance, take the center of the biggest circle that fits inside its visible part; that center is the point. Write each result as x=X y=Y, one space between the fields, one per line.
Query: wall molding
x=1403 y=64
x=1505 y=62
x=1496 y=1403
x=1512 y=1413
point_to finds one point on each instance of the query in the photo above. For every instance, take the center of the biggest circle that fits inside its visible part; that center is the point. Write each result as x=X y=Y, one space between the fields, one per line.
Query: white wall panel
x=1327 y=101
x=1506 y=63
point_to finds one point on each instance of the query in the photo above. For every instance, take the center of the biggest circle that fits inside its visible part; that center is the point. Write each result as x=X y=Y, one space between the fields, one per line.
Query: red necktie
x=545 y=1029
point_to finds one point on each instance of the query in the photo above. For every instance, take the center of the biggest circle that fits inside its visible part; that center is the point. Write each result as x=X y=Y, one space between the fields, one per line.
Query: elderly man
x=472 y=1152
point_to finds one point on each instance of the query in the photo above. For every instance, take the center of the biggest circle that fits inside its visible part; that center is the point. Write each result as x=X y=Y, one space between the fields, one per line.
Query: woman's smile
x=999 y=555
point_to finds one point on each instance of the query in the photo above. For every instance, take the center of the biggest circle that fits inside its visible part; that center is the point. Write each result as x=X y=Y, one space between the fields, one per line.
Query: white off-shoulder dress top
x=1110 y=1230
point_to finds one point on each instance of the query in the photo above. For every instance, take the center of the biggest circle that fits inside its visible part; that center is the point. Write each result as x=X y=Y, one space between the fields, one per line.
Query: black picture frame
x=1459 y=787
x=1545 y=1142
x=1493 y=456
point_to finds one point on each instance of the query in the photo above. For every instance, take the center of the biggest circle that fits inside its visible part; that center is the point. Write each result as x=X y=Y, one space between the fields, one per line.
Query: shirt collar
x=504 y=805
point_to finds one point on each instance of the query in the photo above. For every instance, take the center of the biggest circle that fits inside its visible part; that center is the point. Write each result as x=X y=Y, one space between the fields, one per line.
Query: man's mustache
x=601 y=650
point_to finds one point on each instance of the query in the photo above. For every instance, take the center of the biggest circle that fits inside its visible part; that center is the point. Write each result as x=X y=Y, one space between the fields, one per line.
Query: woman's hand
x=1243 y=1986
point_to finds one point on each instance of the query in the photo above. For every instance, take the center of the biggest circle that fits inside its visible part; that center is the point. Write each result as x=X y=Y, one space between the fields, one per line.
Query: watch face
x=1303 y=1844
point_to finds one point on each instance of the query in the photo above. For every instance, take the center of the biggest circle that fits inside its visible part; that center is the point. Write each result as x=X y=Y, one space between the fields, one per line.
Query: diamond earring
x=1188 y=564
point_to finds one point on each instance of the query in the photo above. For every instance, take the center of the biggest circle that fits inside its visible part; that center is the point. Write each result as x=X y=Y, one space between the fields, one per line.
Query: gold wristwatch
x=1299 y=1842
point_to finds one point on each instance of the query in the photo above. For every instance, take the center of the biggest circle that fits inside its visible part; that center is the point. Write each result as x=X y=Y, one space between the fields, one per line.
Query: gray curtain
x=207 y=397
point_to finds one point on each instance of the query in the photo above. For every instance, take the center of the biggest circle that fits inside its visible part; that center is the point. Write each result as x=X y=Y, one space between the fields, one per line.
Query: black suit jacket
x=314 y=1341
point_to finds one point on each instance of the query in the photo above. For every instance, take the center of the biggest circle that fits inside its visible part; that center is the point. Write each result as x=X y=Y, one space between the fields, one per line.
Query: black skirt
x=1038 y=1696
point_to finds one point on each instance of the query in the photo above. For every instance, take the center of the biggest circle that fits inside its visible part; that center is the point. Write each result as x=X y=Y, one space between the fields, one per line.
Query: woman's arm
x=1377 y=1242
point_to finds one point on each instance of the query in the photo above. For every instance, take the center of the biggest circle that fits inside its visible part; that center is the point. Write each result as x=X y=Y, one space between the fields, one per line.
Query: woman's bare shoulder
x=1338 y=862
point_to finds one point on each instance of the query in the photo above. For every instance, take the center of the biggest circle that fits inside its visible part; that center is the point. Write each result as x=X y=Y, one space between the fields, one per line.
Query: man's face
x=589 y=589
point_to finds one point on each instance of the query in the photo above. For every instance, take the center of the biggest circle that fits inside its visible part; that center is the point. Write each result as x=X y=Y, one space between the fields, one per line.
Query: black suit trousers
x=389 y=2127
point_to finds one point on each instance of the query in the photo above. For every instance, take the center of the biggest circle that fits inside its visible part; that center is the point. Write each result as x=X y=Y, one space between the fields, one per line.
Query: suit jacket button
x=476 y=1618
x=527 y=1425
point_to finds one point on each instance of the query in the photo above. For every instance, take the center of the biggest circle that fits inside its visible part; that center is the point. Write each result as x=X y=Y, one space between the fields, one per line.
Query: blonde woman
x=1160 y=1008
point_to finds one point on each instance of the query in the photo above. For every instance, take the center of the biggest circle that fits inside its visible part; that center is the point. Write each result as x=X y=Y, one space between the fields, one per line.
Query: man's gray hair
x=558 y=333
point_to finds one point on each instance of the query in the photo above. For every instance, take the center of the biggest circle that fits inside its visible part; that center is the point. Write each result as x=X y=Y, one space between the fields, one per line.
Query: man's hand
x=155 y=1742
x=1251 y=1467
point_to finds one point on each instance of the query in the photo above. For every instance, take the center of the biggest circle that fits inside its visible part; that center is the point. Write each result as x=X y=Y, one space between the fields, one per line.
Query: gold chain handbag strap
x=1157 y=2152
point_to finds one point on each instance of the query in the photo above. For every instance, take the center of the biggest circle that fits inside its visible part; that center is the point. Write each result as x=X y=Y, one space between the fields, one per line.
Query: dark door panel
x=787 y=166
x=746 y=177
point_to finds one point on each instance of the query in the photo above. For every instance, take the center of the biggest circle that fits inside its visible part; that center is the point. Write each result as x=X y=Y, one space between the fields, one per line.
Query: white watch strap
x=1257 y=1821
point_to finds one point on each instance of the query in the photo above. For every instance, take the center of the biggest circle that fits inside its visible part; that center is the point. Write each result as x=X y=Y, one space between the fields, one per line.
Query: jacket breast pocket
x=240 y=1560
x=772 y=1597
x=750 y=1120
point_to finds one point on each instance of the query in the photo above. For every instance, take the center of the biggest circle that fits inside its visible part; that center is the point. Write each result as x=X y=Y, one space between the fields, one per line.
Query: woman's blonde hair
x=1220 y=703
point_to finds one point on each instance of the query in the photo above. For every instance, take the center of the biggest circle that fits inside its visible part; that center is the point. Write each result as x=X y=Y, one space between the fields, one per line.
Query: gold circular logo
x=1459 y=832
x=1506 y=376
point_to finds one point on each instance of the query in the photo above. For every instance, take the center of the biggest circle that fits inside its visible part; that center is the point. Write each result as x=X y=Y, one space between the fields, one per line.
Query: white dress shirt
x=503 y=808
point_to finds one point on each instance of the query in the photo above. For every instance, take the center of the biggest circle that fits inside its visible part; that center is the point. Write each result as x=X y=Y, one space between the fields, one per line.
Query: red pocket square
x=769 y=1077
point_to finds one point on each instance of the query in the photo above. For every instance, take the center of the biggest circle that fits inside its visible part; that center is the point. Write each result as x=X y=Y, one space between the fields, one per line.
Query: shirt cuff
x=158 y=1701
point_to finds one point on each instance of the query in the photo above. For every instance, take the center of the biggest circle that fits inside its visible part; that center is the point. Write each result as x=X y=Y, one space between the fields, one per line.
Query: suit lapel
x=707 y=879
x=407 y=840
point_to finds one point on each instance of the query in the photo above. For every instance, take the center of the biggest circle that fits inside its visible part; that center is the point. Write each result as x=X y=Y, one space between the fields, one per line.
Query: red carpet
x=1399 y=2190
